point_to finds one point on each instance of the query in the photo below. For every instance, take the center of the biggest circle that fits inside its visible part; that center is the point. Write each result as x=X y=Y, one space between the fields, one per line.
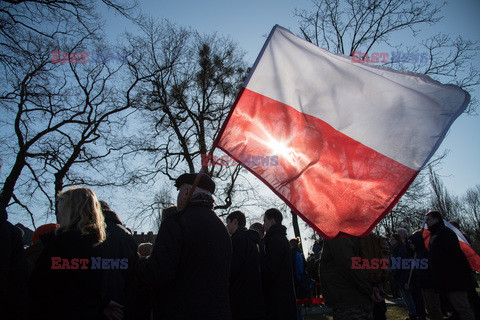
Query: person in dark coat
x=348 y=290
x=67 y=280
x=473 y=296
x=450 y=267
x=299 y=274
x=13 y=271
x=423 y=278
x=278 y=274
x=189 y=267
x=258 y=227
x=40 y=236
x=401 y=275
x=246 y=292
x=119 y=245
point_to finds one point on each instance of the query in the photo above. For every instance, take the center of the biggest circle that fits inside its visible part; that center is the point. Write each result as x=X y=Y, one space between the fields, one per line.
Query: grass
x=394 y=312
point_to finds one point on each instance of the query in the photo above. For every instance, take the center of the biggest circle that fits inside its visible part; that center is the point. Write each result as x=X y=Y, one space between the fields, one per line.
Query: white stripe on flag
x=399 y=114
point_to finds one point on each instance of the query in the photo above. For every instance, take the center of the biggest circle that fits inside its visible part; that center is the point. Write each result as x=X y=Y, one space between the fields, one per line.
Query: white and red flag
x=349 y=137
x=472 y=256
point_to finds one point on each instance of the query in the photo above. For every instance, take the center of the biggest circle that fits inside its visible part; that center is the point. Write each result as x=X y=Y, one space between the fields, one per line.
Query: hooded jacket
x=246 y=293
x=278 y=275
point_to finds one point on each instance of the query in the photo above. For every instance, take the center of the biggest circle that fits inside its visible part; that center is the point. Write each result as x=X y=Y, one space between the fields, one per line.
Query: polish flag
x=472 y=256
x=350 y=137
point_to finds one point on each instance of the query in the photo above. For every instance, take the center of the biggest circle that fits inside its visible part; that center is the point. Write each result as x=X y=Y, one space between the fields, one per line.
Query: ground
x=394 y=312
x=395 y=309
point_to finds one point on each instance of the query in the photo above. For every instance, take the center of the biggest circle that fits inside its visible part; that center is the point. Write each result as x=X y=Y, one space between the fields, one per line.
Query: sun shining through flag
x=350 y=137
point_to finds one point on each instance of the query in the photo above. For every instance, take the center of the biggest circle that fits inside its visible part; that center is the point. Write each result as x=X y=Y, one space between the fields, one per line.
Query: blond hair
x=80 y=209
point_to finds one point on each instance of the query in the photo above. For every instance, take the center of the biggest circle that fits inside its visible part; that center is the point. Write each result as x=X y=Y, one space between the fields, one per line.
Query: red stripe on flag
x=330 y=180
x=426 y=237
x=471 y=255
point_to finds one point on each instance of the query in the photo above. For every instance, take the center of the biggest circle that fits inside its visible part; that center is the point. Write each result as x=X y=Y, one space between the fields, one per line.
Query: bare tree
x=442 y=200
x=472 y=200
x=190 y=82
x=472 y=207
x=45 y=75
x=349 y=26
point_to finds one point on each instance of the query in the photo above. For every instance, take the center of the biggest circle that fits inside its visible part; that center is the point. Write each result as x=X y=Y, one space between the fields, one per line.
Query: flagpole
x=411 y=269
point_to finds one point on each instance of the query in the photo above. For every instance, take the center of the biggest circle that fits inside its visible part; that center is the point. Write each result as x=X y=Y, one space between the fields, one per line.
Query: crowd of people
x=88 y=266
x=436 y=283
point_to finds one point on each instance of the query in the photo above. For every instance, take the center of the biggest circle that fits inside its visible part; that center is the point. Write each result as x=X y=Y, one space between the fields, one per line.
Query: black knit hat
x=205 y=181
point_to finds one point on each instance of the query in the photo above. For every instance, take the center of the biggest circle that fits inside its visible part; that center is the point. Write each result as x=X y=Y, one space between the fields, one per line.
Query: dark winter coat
x=66 y=290
x=190 y=265
x=450 y=267
x=343 y=286
x=246 y=292
x=118 y=245
x=423 y=277
x=278 y=275
x=400 y=275
x=33 y=252
x=13 y=271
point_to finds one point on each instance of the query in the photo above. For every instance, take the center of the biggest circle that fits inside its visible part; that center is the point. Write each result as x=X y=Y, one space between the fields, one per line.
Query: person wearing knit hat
x=44 y=229
x=40 y=237
x=192 y=253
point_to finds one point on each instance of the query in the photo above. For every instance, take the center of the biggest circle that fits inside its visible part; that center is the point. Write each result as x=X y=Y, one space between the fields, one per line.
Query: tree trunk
x=9 y=185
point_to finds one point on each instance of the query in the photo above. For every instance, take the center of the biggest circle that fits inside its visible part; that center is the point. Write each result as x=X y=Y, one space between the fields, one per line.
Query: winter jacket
x=450 y=267
x=64 y=287
x=423 y=277
x=246 y=292
x=298 y=264
x=33 y=252
x=13 y=271
x=342 y=285
x=119 y=245
x=399 y=274
x=189 y=267
x=278 y=275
